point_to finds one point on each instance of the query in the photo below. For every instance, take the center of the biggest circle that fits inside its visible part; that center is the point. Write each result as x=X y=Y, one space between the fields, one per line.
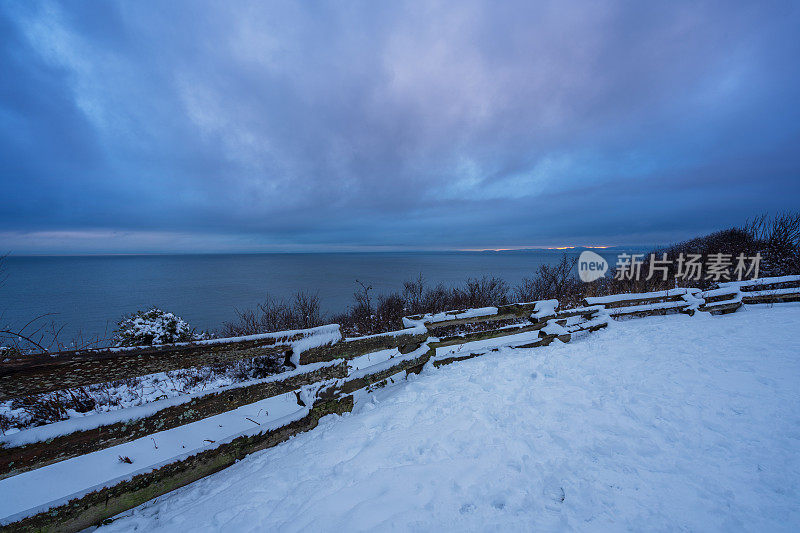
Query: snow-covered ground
x=662 y=423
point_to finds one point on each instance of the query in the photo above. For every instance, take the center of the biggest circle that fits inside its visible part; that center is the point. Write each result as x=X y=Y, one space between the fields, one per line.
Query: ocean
x=89 y=294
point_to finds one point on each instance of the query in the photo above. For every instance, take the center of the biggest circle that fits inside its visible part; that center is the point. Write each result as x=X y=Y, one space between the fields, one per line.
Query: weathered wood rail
x=63 y=370
x=331 y=367
x=197 y=407
x=93 y=508
x=404 y=340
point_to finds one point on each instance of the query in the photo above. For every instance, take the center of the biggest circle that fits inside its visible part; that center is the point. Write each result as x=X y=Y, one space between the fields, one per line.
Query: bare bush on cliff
x=276 y=314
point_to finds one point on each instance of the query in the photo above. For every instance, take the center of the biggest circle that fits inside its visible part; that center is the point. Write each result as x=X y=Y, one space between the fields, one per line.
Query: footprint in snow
x=467 y=508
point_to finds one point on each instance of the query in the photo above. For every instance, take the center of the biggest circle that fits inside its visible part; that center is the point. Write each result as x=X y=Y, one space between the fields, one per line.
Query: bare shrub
x=389 y=312
x=365 y=317
x=439 y=298
x=414 y=295
x=262 y=367
x=44 y=408
x=306 y=310
x=276 y=315
x=778 y=239
x=361 y=312
x=483 y=292
x=552 y=281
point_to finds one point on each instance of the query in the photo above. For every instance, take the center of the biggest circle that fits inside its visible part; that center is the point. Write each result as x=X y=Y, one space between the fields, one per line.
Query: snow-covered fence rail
x=648 y=303
x=44 y=445
x=84 y=491
x=767 y=290
x=722 y=300
x=41 y=373
x=731 y=295
x=436 y=322
x=405 y=340
x=459 y=327
x=727 y=298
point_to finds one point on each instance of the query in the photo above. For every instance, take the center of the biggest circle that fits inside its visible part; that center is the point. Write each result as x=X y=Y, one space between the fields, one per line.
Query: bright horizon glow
x=512 y=248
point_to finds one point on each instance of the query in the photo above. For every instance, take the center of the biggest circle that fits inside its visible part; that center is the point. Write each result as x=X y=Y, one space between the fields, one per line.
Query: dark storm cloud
x=253 y=125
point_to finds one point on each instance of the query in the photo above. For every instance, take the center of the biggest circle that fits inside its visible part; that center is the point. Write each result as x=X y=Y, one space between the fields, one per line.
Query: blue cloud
x=251 y=126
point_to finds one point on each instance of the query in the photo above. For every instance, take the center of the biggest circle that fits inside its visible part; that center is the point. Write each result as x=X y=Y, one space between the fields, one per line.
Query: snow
x=662 y=423
x=417 y=328
x=444 y=316
x=734 y=289
x=386 y=363
x=771 y=292
x=720 y=292
x=544 y=308
x=325 y=334
x=575 y=311
x=83 y=423
x=75 y=477
x=553 y=328
x=617 y=311
x=328 y=335
x=690 y=297
x=736 y=298
x=153 y=327
x=761 y=281
x=485 y=345
x=369 y=359
x=584 y=326
x=31 y=492
x=594 y=300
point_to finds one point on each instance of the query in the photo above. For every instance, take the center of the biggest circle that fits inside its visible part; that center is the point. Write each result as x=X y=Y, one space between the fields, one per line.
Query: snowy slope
x=662 y=423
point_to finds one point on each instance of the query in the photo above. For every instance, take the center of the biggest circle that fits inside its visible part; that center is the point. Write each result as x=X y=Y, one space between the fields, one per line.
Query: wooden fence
x=328 y=370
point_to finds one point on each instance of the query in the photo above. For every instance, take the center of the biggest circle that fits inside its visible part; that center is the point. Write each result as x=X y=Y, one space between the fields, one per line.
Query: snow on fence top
x=724 y=291
x=615 y=298
x=444 y=316
x=42 y=373
x=544 y=309
x=53 y=485
x=766 y=293
x=763 y=290
x=414 y=330
x=683 y=300
x=138 y=412
x=293 y=336
x=761 y=281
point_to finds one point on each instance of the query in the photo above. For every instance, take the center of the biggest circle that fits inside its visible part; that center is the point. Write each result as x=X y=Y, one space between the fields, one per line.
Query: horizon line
x=376 y=251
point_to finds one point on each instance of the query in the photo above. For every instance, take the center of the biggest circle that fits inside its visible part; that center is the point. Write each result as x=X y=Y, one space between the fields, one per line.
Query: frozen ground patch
x=663 y=423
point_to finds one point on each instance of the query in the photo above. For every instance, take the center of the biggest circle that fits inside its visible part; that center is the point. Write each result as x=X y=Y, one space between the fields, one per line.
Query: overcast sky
x=147 y=126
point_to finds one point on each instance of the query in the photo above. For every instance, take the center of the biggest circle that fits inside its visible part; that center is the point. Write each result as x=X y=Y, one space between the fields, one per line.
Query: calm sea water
x=90 y=293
